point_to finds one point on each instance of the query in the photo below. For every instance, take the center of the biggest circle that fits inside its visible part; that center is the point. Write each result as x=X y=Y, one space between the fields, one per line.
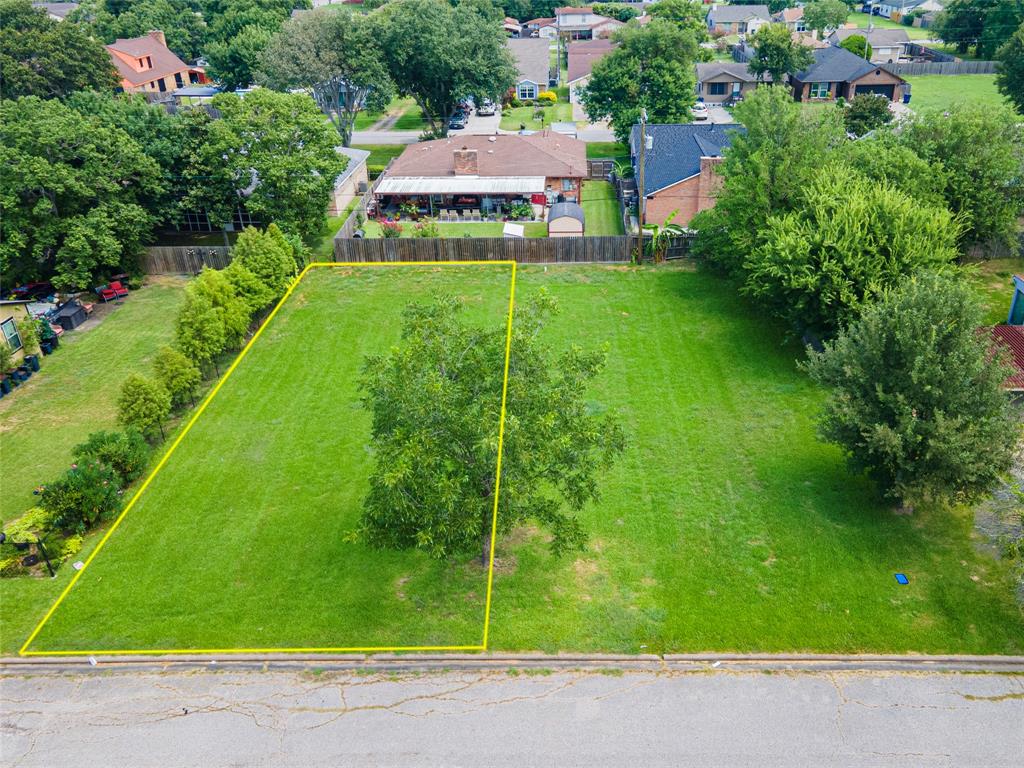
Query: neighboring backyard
x=727 y=526
x=601 y=209
x=372 y=229
x=517 y=118
x=400 y=115
x=942 y=91
x=863 y=19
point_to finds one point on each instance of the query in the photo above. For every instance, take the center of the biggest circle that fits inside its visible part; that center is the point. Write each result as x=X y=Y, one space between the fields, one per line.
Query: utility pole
x=640 y=186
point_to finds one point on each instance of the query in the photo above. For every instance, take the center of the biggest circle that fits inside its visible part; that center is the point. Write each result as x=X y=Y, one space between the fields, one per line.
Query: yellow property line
x=245 y=350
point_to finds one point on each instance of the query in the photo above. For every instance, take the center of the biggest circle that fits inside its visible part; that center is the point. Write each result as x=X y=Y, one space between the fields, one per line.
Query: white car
x=486 y=109
x=699 y=111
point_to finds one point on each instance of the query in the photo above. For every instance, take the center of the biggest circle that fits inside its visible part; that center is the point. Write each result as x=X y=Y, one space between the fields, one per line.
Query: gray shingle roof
x=558 y=210
x=725 y=14
x=533 y=57
x=741 y=72
x=678 y=149
x=836 y=65
x=877 y=37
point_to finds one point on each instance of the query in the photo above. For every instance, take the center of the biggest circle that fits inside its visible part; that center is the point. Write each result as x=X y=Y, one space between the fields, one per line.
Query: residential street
x=497 y=718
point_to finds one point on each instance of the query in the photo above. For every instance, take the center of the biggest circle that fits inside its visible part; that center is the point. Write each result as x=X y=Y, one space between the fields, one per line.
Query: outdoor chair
x=118 y=289
x=106 y=293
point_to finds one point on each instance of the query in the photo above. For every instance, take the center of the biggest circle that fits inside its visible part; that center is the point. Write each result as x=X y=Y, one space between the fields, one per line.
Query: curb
x=392 y=662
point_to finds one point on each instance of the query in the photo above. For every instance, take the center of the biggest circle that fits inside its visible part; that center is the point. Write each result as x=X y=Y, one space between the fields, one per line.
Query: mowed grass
x=863 y=19
x=601 y=209
x=372 y=229
x=726 y=526
x=943 y=91
x=241 y=539
x=993 y=280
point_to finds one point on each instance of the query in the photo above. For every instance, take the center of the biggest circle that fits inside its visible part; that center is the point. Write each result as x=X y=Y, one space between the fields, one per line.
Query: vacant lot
x=727 y=526
x=943 y=91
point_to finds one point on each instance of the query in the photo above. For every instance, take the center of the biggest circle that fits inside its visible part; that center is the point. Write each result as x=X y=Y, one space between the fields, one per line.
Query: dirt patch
x=585 y=570
x=402 y=581
x=505 y=565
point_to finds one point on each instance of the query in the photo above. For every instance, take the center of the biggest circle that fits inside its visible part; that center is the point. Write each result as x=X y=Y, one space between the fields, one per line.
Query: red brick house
x=146 y=65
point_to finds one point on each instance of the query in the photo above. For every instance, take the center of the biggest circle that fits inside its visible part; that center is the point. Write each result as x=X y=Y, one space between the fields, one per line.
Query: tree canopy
x=777 y=54
x=143 y=404
x=1010 y=77
x=433 y=484
x=334 y=55
x=46 y=58
x=984 y=25
x=866 y=112
x=916 y=396
x=652 y=69
x=439 y=54
x=688 y=15
x=858 y=45
x=821 y=15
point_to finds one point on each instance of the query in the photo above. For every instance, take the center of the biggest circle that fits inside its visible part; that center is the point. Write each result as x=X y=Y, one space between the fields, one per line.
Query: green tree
x=280 y=149
x=858 y=45
x=820 y=15
x=776 y=54
x=47 y=58
x=199 y=331
x=433 y=485
x=268 y=256
x=204 y=182
x=688 y=15
x=233 y=62
x=962 y=22
x=179 y=375
x=1010 y=77
x=617 y=11
x=916 y=396
x=1001 y=21
x=866 y=112
x=127 y=453
x=334 y=55
x=74 y=191
x=651 y=68
x=28 y=330
x=850 y=240
x=184 y=29
x=144 y=405
x=256 y=294
x=83 y=495
x=982 y=153
x=213 y=286
x=766 y=171
x=883 y=157
x=439 y=54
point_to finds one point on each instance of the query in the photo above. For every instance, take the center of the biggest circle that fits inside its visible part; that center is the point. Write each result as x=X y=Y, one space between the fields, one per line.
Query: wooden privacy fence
x=184 y=259
x=943 y=68
x=600 y=168
x=527 y=250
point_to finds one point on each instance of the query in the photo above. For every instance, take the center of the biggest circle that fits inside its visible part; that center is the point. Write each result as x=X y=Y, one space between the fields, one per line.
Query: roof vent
x=492 y=138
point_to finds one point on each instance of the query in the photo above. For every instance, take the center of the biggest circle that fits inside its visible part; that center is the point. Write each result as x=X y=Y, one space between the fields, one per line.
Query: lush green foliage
x=185 y=30
x=82 y=496
x=866 y=112
x=777 y=54
x=124 y=452
x=688 y=15
x=652 y=69
x=268 y=256
x=213 y=319
x=47 y=58
x=440 y=54
x=178 y=375
x=917 y=399
x=144 y=405
x=233 y=62
x=858 y=45
x=1010 y=77
x=279 y=145
x=436 y=404
x=333 y=54
x=28 y=330
x=984 y=25
x=618 y=11
x=73 y=190
x=821 y=15
x=849 y=239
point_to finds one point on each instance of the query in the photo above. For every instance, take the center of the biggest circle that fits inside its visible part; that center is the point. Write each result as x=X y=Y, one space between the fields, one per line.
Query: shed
x=565 y=220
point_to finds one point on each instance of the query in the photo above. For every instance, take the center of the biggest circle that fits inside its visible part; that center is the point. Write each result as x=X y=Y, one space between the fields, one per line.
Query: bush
x=36 y=522
x=6 y=357
x=179 y=375
x=28 y=329
x=866 y=112
x=409 y=210
x=390 y=229
x=127 y=453
x=143 y=404
x=268 y=255
x=546 y=98
x=520 y=211
x=514 y=103
x=82 y=496
x=426 y=229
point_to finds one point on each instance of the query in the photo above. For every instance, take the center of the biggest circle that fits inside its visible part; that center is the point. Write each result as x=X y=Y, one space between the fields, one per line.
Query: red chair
x=106 y=293
x=119 y=290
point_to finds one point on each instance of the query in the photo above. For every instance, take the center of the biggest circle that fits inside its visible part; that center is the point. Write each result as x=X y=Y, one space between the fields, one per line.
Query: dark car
x=457 y=123
x=32 y=291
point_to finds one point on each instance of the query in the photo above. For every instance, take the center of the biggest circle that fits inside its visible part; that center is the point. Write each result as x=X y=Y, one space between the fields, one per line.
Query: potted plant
x=28 y=329
x=6 y=358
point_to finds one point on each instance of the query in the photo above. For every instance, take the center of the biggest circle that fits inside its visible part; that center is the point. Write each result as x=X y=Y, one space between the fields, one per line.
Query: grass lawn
x=380 y=156
x=323 y=248
x=473 y=229
x=559 y=112
x=862 y=20
x=726 y=526
x=605 y=149
x=601 y=209
x=73 y=394
x=942 y=91
x=994 y=280
x=408 y=112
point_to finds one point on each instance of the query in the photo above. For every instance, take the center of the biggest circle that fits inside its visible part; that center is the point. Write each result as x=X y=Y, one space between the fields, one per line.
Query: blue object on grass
x=902 y=579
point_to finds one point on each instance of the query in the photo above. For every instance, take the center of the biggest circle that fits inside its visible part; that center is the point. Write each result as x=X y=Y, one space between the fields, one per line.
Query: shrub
x=70 y=547
x=143 y=404
x=426 y=229
x=390 y=229
x=514 y=102
x=28 y=329
x=6 y=357
x=179 y=375
x=547 y=98
x=125 y=452
x=866 y=112
x=411 y=210
x=857 y=45
x=35 y=522
x=520 y=210
x=83 y=495
x=268 y=255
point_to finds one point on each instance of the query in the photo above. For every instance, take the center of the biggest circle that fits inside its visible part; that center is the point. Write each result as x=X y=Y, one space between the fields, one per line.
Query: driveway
x=307 y=717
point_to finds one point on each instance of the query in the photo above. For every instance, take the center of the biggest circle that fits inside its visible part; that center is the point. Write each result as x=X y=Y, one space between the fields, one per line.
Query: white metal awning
x=461 y=185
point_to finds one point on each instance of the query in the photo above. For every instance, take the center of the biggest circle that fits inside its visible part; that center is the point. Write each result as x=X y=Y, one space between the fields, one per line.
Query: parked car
x=699 y=111
x=457 y=123
x=486 y=108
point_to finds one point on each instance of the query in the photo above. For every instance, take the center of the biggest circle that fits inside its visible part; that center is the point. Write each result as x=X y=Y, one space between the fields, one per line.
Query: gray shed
x=565 y=220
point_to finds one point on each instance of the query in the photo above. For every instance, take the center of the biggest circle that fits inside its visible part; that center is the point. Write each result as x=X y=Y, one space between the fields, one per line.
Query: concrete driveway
x=310 y=718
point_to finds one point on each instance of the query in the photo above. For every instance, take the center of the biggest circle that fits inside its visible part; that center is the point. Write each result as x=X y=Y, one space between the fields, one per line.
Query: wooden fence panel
x=943 y=68
x=184 y=259
x=606 y=249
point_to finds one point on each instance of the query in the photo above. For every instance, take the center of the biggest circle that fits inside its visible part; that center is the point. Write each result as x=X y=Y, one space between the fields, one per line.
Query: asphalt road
x=497 y=718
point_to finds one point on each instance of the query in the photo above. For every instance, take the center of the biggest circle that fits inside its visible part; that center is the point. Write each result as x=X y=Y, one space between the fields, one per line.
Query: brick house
x=737 y=19
x=719 y=81
x=837 y=72
x=146 y=65
x=679 y=168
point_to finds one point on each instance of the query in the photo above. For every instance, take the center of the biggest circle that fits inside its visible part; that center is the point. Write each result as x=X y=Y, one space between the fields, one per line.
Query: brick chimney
x=158 y=35
x=466 y=162
x=709 y=182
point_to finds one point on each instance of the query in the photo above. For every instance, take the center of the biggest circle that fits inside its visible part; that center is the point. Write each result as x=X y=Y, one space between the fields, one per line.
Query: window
x=178 y=81
x=11 y=335
x=527 y=91
x=162 y=85
x=800 y=26
x=566 y=185
x=820 y=90
x=717 y=89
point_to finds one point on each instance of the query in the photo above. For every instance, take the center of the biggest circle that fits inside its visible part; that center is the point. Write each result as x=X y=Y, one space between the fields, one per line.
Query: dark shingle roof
x=558 y=210
x=706 y=70
x=678 y=149
x=836 y=65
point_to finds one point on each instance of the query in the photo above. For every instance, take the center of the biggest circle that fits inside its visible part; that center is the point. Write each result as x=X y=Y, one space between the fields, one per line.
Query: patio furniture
x=118 y=288
x=474 y=214
x=106 y=293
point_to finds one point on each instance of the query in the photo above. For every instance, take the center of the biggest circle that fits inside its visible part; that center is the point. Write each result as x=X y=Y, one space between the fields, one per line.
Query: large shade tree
x=916 y=398
x=1010 y=77
x=777 y=54
x=334 y=55
x=436 y=405
x=72 y=190
x=651 y=68
x=439 y=54
x=47 y=58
